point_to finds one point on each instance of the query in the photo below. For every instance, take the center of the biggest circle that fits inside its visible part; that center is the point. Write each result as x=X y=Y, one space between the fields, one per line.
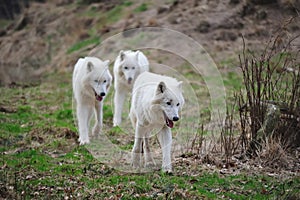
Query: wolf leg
x=98 y=118
x=138 y=146
x=149 y=161
x=84 y=113
x=165 y=140
x=119 y=99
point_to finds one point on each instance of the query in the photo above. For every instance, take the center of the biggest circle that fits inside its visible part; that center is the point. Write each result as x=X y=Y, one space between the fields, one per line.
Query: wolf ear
x=90 y=66
x=106 y=63
x=109 y=80
x=161 y=88
x=137 y=55
x=180 y=85
x=122 y=55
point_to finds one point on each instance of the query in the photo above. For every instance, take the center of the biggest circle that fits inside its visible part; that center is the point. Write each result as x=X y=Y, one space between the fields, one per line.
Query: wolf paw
x=167 y=169
x=116 y=124
x=83 y=141
x=136 y=161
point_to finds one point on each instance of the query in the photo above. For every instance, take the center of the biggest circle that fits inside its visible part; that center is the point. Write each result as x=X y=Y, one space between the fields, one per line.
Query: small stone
x=162 y=9
x=226 y=36
x=203 y=27
x=174 y=19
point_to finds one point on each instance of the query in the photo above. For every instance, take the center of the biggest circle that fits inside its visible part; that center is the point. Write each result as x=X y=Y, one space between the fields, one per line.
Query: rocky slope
x=40 y=37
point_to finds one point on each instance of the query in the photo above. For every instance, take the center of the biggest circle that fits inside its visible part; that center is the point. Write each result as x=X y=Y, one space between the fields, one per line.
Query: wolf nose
x=129 y=79
x=175 y=119
x=102 y=94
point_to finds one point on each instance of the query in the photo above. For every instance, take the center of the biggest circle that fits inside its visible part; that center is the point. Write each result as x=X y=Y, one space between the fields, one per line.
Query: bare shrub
x=270 y=104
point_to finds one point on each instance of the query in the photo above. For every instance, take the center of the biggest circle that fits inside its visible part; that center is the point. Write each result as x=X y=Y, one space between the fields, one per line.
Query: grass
x=141 y=8
x=114 y=14
x=84 y=43
x=41 y=158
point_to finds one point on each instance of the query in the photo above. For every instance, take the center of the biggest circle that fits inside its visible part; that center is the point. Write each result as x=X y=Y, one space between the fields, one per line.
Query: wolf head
x=170 y=102
x=99 y=78
x=129 y=65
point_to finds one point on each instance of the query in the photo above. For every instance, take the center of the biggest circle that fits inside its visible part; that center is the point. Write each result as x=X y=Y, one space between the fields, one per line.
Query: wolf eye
x=125 y=67
x=96 y=81
x=169 y=103
x=178 y=104
x=104 y=81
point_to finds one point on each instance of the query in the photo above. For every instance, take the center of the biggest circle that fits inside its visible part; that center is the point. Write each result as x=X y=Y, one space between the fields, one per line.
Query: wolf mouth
x=129 y=81
x=98 y=97
x=169 y=122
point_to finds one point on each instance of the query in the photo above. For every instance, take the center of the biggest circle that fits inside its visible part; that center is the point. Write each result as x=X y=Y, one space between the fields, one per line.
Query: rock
x=173 y=19
x=203 y=27
x=162 y=9
x=152 y=22
x=226 y=36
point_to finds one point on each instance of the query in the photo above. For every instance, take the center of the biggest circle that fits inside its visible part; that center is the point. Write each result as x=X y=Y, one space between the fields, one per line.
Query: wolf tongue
x=99 y=98
x=170 y=123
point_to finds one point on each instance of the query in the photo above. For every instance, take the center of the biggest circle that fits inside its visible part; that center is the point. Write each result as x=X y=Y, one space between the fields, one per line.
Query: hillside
x=50 y=35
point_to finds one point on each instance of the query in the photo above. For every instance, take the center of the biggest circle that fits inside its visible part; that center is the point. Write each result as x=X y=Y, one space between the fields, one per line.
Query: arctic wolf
x=91 y=82
x=127 y=67
x=156 y=102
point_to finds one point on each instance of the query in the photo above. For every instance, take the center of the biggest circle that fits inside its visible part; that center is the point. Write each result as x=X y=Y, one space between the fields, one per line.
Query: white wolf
x=156 y=102
x=127 y=67
x=91 y=82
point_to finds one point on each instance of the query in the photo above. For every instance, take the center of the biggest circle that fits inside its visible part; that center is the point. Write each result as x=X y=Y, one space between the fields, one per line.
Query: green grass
x=141 y=8
x=81 y=44
x=114 y=14
x=40 y=160
x=127 y=3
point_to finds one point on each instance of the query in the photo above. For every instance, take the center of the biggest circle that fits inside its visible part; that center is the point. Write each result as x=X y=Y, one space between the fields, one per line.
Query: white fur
x=90 y=77
x=155 y=98
x=127 y=67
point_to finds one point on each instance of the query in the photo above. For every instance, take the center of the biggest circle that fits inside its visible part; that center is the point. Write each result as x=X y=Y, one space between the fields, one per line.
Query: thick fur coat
x=127 y=67
x=156 y=103
x=91 y=82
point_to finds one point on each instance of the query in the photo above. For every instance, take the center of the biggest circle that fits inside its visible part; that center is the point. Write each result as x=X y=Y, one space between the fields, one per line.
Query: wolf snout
x=175 y=119
x=129 y=80
x=102 y=94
